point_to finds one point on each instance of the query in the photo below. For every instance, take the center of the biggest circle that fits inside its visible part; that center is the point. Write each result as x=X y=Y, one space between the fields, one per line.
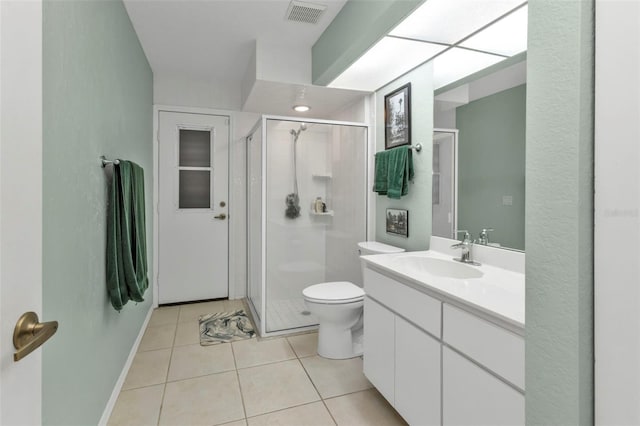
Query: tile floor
x=278 y=381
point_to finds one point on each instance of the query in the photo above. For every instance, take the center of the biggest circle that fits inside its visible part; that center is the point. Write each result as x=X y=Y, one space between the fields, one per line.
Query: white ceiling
x=270 y=97
x=214 y=39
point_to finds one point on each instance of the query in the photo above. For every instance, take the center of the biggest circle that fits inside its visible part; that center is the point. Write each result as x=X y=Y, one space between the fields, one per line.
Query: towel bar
x=105 y=161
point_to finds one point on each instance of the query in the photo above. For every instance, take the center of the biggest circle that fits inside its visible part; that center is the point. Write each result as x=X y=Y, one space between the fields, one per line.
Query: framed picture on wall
x=397 y=117
x=398 y=222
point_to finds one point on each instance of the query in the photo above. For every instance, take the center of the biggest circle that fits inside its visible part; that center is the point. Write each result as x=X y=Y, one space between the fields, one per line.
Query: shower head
x=296 y=133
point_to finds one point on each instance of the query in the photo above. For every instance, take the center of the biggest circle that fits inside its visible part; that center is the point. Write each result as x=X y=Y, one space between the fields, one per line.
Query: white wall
x=357 y=112
x=617 y=206
x=287 y=64
x=189 y=92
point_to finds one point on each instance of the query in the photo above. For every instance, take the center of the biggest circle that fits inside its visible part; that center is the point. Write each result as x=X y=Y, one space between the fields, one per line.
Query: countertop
x=499 y=293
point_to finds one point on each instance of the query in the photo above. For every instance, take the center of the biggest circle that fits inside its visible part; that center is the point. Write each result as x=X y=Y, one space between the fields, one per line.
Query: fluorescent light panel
x=458 y=63
x=507 y=37
x=449 y=21
x=384 y=62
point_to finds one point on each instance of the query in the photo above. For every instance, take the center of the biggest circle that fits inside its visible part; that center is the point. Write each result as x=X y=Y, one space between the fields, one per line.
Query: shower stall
x=306 y=212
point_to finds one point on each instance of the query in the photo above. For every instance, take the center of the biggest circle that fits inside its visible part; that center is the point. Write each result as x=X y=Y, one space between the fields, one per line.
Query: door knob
x=221 y=216
x=29 y=334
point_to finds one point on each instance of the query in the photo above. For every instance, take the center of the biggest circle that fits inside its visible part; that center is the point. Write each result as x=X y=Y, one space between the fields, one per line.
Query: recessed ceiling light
x=301 y=108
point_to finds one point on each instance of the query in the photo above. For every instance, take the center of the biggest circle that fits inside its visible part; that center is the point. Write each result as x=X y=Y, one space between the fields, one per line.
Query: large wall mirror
x=479 y=158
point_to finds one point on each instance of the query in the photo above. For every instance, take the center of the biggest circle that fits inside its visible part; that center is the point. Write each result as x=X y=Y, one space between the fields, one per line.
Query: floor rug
x=223 y=327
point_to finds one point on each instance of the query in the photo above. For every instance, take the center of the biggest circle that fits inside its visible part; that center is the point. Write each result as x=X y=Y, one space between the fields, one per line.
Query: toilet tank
x=374 y=247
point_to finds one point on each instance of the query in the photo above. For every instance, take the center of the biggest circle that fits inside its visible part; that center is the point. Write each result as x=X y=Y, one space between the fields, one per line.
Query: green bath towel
x=126 y=236
x=400 y=172
x=381 y=172
x=393 y=171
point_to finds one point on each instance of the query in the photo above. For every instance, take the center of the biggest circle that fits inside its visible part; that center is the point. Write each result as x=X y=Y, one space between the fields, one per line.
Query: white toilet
x=338 y=307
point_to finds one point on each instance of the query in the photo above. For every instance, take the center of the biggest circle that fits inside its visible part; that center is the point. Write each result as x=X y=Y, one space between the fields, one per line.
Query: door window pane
x=195 y=189
x=195 y=148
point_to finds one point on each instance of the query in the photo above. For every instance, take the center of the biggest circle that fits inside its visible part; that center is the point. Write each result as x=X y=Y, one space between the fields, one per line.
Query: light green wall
x=491 y=164
x=357 y=27
x=418 y=201
x=559 y=211
x=98 y=93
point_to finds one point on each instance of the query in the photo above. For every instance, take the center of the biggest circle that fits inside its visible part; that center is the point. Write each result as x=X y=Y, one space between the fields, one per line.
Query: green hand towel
x=400 y=172
x=381 y=172
x=126 y=236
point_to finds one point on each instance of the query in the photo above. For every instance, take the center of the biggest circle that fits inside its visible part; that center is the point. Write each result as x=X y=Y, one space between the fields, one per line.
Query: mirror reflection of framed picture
x=398 y=222
x=397 y=117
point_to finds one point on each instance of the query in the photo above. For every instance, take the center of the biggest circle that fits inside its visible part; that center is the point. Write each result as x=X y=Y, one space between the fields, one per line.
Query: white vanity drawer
x=498 y=349
x=419 y=308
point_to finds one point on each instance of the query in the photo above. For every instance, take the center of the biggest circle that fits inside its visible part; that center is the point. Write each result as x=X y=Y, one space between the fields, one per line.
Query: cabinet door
x=417 y=389
x=378 y=355
x=472 y=396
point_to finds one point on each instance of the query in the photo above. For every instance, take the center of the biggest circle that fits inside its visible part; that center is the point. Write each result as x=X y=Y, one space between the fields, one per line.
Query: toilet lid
x=334 y=291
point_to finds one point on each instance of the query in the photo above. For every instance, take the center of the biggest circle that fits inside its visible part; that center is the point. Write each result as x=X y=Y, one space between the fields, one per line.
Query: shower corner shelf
x=327 y=213
x=321 y=175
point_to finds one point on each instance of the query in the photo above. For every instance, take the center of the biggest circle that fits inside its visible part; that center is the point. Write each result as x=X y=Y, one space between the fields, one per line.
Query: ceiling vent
x=305 y=12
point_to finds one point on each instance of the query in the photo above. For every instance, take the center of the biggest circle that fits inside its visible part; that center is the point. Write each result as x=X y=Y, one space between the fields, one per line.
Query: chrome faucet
x=465 y=245
x=483 y=238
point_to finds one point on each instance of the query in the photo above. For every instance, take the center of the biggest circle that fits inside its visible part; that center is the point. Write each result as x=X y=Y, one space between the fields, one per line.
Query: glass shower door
x=311 y=163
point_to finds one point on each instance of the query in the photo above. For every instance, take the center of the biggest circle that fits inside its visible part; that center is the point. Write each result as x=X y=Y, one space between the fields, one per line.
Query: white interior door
x=20 y=204
x=193 y=194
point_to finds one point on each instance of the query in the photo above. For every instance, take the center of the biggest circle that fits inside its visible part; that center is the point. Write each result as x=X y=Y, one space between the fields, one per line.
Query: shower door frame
x=262 y=122
x=454 y=183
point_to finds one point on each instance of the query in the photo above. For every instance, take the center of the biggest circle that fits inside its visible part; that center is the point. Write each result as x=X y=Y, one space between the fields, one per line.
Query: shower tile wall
x=348 y=200
x=296 y=248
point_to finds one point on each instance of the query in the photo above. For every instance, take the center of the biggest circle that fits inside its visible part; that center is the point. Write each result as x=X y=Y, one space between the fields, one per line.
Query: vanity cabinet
x=401 y=359
x=473 y=396
x=379 y=335
x=437 y=363
x=417 y=363
x=486 y=385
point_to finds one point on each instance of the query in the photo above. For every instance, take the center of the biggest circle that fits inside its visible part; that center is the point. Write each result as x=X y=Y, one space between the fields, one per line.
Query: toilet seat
x=338 y=292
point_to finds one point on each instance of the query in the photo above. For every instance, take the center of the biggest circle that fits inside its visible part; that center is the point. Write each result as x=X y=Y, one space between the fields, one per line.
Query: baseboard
x=118 y=386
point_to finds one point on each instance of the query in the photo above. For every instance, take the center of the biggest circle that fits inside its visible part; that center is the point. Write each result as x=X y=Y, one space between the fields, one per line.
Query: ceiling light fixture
x=460 y=37
x=385 y=61
x=507 y=36
x=456 y=63
x=301 y=108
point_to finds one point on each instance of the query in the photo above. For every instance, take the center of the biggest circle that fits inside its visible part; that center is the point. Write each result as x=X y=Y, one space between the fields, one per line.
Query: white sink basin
x=438 y=267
